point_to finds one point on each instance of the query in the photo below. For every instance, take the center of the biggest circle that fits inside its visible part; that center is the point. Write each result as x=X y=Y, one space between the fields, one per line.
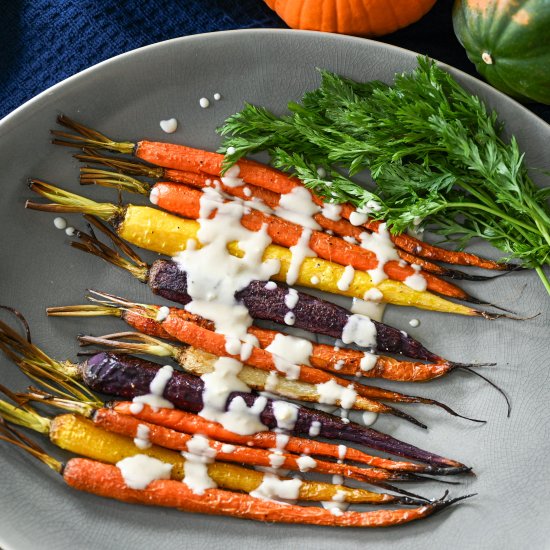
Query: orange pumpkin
x=359 y=17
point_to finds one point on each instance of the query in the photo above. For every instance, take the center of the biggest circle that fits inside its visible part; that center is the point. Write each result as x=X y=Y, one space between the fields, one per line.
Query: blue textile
x=44 y=41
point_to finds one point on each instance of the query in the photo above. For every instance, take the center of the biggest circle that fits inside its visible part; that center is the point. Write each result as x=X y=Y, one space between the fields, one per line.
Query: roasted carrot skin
x=324 y=356
x=252 y=172
x=106 y=480
x=112 y=421
x=190 y=165
x=185 y=201
x=186 y=422
x=348 y=362
x=311 y=313
x=126 y=376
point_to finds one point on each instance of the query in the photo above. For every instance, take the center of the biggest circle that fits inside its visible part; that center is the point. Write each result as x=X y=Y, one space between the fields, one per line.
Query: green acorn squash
x=509 y=43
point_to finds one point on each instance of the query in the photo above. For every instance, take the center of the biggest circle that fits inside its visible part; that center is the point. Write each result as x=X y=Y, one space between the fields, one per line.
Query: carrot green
x=437 y=156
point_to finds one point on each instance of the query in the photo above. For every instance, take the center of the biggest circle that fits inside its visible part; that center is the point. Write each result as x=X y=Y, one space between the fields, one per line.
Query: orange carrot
x=180 y=327
x=189 y=159
x=180 y=157
x=107 y=481
x=125 y=424
x=186 y=422
x=323 y=357
x=185 y=201
x=348 y=362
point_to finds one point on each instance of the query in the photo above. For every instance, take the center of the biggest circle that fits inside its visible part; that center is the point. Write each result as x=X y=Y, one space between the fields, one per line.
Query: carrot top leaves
x=435 y=152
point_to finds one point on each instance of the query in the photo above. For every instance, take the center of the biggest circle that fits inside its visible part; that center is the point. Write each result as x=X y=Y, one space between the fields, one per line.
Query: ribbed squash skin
x=358 y=17
x=509 y=43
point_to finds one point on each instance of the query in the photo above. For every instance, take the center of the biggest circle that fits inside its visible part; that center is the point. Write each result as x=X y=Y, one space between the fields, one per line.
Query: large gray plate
x=126 y=97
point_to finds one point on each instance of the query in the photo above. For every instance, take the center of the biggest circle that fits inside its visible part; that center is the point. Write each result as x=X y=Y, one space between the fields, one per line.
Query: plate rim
x=30 y=103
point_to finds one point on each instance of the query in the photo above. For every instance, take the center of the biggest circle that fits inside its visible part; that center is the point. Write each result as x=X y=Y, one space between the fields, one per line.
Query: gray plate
x=126 y=97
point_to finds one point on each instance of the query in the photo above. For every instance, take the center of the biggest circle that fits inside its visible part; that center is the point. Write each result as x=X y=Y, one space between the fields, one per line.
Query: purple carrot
x=166 y=279
x=126 y=376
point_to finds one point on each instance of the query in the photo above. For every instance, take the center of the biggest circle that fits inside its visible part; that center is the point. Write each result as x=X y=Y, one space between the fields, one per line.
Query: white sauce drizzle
x=204 y=102
x=231 y=177
x=285 y=414
x=197 y=457
x=374 y=310
x=300 y=251
x=291 y=298
x=272 y=381
x=154 y=195
x=213 y=290
x=169 y=126
x=162 y=313
x=331 y=211
x=270 y=285
x=417 y=281
x=331 y=393
x=360 y=330
x=281 y=441
x=342 y=450
x=227 y=448
x=337 y=505
x=293 y=349
x=414 y=323
x=369 y=418
x=314 y=428
x=140 y=470
x=217 y=96
x=288 y=368
x=306 y=463
x=276 y=459
x=141 y=441
x=272 y=487
x=358 y=218
x=368 y=361
x=60 y=223
x=70 y=231
x=290 y=318
x=346 y=279
x=314 y=280
x=380 y=243
x=156 y=388
x=218 y=384
x=298 y=207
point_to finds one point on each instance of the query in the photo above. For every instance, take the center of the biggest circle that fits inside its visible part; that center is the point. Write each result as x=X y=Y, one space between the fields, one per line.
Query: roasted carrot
x=110 y=439
x=185 y=201
x=187 y=331
x=199 y=362
x=165 y=278
x=188 y=159
x=348 y=362
x=106 y=480
x=271 y=201
x=168 y=234
x=129 y=377
x=192 y=424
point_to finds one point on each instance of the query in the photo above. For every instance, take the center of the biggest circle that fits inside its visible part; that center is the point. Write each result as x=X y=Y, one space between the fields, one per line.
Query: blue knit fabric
x=45 y=41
